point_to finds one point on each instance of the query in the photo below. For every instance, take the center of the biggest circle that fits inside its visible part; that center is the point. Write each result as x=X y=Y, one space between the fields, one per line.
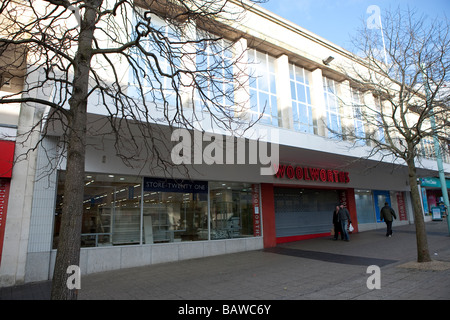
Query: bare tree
x=178 y=54
x=404 y=70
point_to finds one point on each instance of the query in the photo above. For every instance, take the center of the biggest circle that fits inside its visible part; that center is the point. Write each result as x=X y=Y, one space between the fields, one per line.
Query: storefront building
x=431 y=191
x=143 y=215
x=140 y=218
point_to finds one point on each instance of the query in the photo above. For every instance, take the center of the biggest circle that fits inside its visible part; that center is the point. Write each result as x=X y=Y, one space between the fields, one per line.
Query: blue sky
x=337 y=20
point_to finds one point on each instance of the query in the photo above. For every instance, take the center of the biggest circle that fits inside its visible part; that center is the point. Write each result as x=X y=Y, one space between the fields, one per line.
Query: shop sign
x=6 y=158
x=256 y=210
x=432 y=182
x=312 y=174
x=172 y=185
x=401 y=207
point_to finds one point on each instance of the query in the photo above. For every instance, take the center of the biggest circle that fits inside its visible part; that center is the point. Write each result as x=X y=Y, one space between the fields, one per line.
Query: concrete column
x=345 y=100
x=318 y=101
x=188 y=63
x=284 y=93
x=241 y=78
x=370 y=118
x=17 y=228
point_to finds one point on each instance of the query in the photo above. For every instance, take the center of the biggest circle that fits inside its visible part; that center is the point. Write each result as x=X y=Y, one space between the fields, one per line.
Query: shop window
x=231 y=210
x=174 y=216
x=123 y=210
x=111 y=210
x=365 y=206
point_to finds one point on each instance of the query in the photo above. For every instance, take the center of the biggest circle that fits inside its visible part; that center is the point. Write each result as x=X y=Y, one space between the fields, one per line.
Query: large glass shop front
x=126 y=210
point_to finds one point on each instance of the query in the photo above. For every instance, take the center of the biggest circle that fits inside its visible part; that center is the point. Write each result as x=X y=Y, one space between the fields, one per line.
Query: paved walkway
x=317 y=269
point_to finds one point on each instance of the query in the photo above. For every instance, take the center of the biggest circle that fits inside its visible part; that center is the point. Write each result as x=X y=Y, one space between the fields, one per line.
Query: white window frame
x=263 y=84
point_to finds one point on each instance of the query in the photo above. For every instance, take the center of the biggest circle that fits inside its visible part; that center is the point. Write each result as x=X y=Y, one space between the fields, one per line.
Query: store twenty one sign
x=312 y=174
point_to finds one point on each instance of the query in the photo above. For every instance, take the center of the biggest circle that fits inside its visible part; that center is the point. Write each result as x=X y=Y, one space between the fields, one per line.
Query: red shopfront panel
x=268 y=212
x=347 y=197
x=6 y=158
x=4 y=195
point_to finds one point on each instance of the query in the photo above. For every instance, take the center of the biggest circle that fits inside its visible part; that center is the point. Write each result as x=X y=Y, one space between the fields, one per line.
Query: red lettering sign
x=290 y=172
x=312 y=174
x=280 y=172
x=401 y=207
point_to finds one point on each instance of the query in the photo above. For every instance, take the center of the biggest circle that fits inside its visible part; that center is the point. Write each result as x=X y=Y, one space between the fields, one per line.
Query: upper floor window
x=214 y=74
x=446 y=151
x=426 y=148
x=152 y=75
x=379 y=121
x=302 y=110
x=332 y=106
x=263 y=93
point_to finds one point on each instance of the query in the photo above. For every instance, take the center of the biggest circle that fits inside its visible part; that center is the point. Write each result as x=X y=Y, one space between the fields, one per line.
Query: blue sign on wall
x=172 y=185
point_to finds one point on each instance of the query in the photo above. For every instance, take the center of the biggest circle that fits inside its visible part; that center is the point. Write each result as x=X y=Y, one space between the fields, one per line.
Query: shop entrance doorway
x=300 y=212
x=380 y=198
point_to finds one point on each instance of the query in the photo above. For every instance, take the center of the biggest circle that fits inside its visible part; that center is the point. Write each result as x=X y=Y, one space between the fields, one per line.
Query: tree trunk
x=423 y=254
x=68 y=252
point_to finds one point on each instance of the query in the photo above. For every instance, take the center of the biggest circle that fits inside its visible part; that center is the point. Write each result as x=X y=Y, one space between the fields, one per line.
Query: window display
x=124 y=210
x=365 y=206
x=231 y=210
x=171 y=217
x=111 y=210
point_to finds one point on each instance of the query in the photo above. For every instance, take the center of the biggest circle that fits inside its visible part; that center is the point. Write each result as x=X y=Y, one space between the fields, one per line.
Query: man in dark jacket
x=337 y=224
x=344 y=216
x=388 y=215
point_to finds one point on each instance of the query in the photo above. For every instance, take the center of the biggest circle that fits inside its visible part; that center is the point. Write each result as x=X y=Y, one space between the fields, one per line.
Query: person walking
x=337 y=224
x=388 y=214
x=344 y=218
